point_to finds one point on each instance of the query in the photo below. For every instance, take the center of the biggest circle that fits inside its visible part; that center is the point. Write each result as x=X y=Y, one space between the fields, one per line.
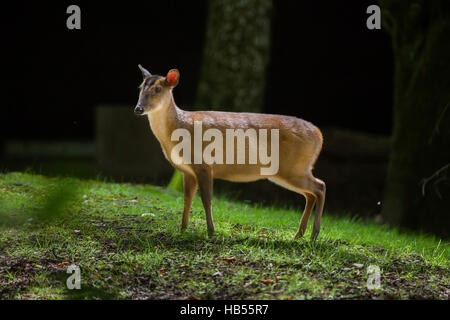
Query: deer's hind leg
x=321 y=191
x=312 y=190
x=310 y=202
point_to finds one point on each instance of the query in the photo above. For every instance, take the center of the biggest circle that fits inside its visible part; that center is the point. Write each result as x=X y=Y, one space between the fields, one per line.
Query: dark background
x=326 y=66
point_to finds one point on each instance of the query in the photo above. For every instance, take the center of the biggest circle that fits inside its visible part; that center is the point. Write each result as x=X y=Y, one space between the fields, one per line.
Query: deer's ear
x=145 y=72
x=172 y=77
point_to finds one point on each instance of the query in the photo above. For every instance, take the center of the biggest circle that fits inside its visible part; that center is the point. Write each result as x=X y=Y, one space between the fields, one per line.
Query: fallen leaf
x=191 y=298
x=62 y=265
x=162 y=271
x=266 y=281
x=346 y=269
x=227 y=259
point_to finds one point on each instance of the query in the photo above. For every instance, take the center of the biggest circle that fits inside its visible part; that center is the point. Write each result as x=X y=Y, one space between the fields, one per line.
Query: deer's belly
x=238 y=173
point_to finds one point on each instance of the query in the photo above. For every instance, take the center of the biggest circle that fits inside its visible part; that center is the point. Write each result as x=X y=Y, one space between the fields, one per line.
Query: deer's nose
x=138 y=110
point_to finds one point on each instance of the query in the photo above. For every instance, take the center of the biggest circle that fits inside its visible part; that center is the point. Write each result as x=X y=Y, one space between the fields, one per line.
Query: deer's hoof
x=300 y=232
x=298 y=235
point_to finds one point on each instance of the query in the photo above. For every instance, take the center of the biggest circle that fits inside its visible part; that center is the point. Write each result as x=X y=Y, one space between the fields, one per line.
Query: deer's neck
x=164 y=119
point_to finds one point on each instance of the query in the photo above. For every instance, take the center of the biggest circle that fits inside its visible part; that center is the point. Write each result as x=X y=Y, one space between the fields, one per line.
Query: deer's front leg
x=190 y=188
x=205 y=182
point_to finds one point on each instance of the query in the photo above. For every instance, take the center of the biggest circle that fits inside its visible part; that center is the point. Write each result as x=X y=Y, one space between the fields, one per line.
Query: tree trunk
x=235 y=56
x=417 y=189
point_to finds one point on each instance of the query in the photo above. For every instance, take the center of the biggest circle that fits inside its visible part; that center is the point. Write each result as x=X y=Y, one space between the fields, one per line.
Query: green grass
x=47 y=224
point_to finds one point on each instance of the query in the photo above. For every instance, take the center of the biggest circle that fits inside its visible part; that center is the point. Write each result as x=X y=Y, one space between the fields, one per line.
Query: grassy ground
x=125 y=240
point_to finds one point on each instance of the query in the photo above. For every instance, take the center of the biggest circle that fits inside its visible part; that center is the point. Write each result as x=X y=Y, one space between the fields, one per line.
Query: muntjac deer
x=294 y=148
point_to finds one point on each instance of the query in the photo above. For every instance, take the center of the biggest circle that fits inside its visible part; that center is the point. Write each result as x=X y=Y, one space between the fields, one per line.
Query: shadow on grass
x=340 y=251
x=90 y=293
x=194 y=242
x=86 y=292
x=56 y=201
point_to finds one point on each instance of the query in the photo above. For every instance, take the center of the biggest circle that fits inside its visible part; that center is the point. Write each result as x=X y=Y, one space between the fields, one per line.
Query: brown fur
x=300 y=143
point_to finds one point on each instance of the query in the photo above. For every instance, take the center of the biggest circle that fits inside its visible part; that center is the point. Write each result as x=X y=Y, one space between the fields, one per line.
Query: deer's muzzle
x=138 y=110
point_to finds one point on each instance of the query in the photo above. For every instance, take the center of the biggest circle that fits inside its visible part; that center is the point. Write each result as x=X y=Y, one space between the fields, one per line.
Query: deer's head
x=155 y=91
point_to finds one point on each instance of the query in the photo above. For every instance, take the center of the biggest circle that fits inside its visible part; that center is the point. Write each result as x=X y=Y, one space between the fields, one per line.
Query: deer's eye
x=158 y=89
